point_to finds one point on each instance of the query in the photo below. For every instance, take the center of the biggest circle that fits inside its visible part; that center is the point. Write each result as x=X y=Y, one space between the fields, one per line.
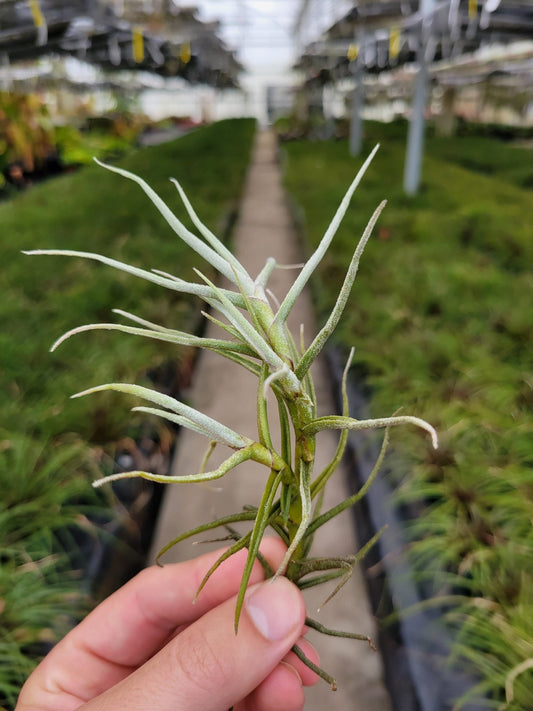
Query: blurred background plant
x=27 y=137
x=33 y=147
x=51 y=522
x=443 y=325
x=45 y=514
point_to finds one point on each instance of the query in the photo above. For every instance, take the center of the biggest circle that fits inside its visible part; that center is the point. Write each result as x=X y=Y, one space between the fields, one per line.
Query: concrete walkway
x=228 y=393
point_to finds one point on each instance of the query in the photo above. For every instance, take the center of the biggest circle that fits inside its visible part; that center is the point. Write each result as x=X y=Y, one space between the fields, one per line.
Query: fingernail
x=293 y=670
x=275 y=608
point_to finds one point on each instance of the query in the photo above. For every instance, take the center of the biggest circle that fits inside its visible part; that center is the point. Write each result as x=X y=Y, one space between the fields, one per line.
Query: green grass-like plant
x=256 y=336
x=40 y=516
x=51 y=450
x=88 y=210
x=443 y=326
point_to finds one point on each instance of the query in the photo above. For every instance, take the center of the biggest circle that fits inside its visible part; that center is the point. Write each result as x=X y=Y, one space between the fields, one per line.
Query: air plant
x=256 y=337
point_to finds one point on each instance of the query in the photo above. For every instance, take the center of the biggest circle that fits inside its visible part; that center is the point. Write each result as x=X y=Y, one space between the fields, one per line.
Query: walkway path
x=227 y=393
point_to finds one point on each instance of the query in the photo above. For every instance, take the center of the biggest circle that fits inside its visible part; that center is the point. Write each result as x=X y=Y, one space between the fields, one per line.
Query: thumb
x=207 y=666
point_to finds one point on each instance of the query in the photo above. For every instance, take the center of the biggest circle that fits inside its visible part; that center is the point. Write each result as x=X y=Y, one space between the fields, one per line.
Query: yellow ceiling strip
x=394 y=43
x=137 y=40
x=36 y=13
x=185 y=52
x=353 y=51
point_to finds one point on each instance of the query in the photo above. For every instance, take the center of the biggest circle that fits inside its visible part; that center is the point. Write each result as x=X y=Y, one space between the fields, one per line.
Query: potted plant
x=256 y=336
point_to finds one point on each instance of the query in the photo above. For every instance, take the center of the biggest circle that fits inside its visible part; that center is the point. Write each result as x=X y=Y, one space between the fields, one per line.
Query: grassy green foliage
x=79 y=147
x=93 y=211
x=45 y=472
x=442 y=326
x=490 y=157
x=43 y=485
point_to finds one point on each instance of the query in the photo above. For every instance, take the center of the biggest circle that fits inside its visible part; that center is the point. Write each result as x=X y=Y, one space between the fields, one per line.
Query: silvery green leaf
x=304 y=486
x=141 y=321
x=348 y=423
x=264 y=275
x=167 y=275
x=213 y=240
x=249 y=333
x=215 y=429
x=175 y=284
x=169 y=336
x=333 y=319
x=179 y=228
x=173 y=417
x=316 y=257
x=234 y=460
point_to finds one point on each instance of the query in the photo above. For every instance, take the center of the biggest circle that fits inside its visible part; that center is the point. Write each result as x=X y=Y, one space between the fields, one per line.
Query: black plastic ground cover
x=416 y=647
x=117 y=545
x=121 y=547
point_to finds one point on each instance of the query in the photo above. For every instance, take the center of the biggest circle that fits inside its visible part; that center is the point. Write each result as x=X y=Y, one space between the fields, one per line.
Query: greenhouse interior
x=302 y=476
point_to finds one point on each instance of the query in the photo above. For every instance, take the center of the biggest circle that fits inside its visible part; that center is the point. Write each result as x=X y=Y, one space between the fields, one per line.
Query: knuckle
x=200 y=665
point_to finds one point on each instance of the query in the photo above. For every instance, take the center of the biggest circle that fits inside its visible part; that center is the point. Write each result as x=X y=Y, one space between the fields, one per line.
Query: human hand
x=149 y=648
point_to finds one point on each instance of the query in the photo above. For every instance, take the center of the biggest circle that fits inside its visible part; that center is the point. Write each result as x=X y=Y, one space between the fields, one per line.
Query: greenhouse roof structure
x=454 y=41
x=160 y=37
x=384 y=34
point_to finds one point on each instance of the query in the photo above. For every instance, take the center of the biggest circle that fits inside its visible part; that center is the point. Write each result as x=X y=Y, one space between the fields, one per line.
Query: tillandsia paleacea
x=256 y=336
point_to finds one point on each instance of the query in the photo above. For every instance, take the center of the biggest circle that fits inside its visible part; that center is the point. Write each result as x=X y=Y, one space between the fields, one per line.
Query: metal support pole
x=6 y=83
x=415 y=137
x=358 y=97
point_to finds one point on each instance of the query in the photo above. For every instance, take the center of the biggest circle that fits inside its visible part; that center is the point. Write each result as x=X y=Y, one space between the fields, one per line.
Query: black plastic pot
x=115 y=546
